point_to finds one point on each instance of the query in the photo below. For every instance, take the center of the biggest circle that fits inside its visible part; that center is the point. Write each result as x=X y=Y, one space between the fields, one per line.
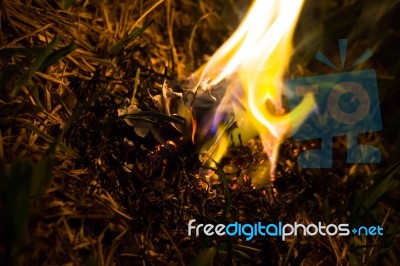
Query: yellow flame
x=254 y=60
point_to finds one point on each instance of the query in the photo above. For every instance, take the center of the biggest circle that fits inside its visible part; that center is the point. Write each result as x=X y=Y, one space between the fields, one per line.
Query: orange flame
x=253 y=60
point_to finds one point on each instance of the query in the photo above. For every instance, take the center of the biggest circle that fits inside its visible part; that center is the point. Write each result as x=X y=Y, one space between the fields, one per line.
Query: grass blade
x=116 y=49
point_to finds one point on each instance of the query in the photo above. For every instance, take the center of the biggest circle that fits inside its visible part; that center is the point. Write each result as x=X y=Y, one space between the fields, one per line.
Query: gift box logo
x=347 y=104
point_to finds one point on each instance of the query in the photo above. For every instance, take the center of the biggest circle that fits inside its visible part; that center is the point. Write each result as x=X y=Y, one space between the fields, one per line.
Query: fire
x=253 y=61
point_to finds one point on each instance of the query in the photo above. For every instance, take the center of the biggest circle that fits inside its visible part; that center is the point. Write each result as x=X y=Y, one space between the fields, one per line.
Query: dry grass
x=95 y=193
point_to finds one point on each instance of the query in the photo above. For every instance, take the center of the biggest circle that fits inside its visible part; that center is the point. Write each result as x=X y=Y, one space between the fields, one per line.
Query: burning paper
x=252 y=62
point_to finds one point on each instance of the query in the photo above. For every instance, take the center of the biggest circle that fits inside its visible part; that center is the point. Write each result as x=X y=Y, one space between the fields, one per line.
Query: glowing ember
x=253 y=61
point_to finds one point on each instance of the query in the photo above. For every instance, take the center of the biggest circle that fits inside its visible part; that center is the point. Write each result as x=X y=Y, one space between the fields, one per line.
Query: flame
x=253 y=60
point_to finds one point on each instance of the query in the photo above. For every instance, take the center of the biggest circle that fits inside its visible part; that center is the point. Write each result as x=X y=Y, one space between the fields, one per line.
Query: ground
x=81 y=185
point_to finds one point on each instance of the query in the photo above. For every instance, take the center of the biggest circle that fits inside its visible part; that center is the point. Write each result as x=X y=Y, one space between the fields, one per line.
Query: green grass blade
x=205 y=257
x=58 y=54
x=116 y=49
x=15 y=196
x=153 y=116
x=35 y=65
x=362 y=204
x=10 y=52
